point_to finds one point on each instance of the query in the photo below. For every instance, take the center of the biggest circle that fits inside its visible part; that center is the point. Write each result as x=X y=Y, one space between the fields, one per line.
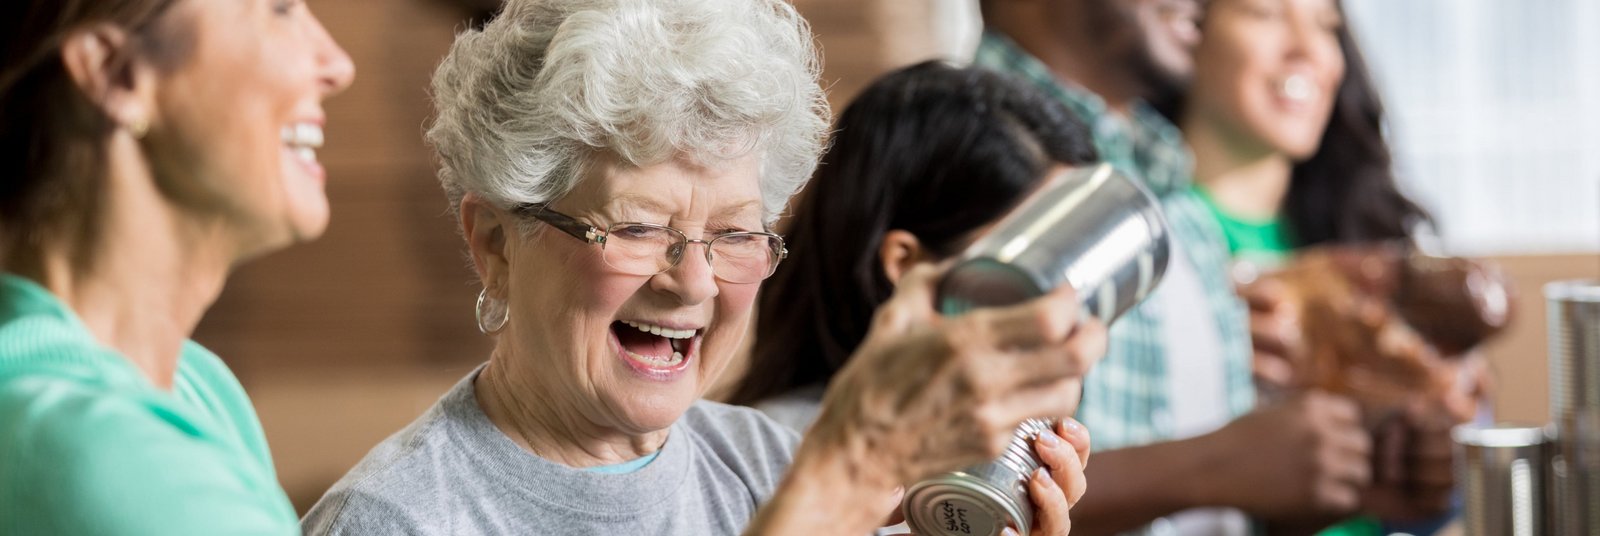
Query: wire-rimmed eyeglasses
x=649 y=249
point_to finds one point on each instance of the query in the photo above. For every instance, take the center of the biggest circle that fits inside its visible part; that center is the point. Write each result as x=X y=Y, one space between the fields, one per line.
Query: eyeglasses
x=649 y=249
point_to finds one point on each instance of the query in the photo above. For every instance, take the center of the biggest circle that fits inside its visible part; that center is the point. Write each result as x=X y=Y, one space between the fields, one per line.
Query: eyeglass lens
x=641 y=249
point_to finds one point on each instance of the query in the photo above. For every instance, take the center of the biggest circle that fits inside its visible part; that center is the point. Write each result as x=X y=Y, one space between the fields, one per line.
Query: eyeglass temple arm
x=566 y=224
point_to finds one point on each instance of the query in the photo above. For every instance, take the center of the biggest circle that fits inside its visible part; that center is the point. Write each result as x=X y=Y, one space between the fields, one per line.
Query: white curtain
x=1494 y=111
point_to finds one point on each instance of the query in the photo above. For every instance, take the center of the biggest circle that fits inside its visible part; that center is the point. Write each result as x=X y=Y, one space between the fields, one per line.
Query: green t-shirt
x=89 y=446
x=1269 y=243
x=1268 y=240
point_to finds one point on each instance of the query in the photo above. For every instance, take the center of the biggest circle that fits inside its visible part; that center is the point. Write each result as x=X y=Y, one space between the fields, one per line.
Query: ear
x=485 y=228
x=899 y=252
x=102 y=60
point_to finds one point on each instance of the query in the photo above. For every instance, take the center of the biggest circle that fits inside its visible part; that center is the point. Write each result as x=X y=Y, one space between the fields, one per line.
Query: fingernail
x=1049 y=439
x=1010 y=532
x=1071 y=425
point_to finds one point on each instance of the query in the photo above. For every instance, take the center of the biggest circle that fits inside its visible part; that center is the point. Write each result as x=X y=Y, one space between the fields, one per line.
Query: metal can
x=1574 y=319
x=982 y=499
x=1503 y=470
x=1092 y=228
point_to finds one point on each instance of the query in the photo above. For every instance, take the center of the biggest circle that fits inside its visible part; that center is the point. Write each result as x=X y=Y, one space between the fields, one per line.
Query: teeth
x=302 y=135
x=675 y=359
x=1296 y=87
x=661 y=331
x=306 y=154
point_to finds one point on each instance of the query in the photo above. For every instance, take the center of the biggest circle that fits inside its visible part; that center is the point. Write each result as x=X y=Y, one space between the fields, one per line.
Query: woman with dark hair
x=1287 y=131
x=149 y=147
x=924 y=159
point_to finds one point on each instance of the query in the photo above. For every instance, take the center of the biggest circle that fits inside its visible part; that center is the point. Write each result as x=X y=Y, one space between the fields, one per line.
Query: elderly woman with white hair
x=615 y=166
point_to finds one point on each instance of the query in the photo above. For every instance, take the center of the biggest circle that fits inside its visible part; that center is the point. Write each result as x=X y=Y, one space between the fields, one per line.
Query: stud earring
x=138 y=127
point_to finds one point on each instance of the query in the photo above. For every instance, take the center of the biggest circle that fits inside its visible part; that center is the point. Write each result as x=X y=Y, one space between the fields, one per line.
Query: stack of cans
x=1574 y=317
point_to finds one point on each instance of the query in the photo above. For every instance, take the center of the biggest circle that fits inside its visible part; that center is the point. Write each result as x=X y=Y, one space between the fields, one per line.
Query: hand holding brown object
x=1377 y=323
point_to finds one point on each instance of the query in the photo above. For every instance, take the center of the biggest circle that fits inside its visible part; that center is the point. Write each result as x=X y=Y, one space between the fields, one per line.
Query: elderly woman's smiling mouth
x=658 y=350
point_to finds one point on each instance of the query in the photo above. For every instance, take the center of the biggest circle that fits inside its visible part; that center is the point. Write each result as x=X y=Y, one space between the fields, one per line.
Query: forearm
x=1129 y=488
x=825 y=492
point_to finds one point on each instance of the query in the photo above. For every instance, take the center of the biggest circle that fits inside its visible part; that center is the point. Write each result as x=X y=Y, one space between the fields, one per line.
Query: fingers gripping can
x=1092 y=228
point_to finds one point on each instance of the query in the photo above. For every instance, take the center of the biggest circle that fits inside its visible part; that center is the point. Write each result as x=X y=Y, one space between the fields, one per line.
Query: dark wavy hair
x=1345 y=192
x=52 y=135
x=934 y=150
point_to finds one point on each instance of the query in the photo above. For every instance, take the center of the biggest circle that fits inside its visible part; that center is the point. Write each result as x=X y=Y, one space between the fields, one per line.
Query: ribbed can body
x=1574 y=319
x=1504 y=472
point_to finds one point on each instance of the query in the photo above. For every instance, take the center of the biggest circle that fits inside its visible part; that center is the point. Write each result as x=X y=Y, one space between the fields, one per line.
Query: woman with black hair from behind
x=924 y=160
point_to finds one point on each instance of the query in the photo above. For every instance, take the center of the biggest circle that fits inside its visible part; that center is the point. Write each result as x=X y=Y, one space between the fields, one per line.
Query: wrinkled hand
x=1305 y=456
x=1054 y=491
x=926 y=394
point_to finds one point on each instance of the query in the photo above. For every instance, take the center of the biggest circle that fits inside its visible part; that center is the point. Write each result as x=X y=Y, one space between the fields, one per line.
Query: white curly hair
x=524 y=103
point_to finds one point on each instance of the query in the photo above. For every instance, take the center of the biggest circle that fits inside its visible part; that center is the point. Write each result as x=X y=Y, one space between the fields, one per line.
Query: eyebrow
x=737 y=209
x=628 y=202
x=631 y=203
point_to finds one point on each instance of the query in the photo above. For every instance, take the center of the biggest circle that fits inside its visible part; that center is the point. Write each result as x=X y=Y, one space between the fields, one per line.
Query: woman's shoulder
x=395 y=487
x=737 y=443
x=795 y=409
x=741 y=431
x=81 y=455
x=713 y=417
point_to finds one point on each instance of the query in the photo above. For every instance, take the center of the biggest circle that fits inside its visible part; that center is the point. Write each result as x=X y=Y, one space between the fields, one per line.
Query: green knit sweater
x=89 y=446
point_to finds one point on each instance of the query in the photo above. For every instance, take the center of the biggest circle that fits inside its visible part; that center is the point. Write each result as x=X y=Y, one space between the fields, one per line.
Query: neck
x=549 y=429
x=1244 y=177
x=148 y=276
x=1071 y=54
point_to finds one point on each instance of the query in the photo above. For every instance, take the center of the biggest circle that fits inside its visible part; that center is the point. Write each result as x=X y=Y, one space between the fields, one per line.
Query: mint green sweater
x=89 y=446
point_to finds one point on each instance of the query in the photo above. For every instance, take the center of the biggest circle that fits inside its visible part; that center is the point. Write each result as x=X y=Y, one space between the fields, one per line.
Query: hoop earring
x=492 y=314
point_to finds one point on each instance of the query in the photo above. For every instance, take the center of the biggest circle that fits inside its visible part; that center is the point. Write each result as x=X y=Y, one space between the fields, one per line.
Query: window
x=1494 y=113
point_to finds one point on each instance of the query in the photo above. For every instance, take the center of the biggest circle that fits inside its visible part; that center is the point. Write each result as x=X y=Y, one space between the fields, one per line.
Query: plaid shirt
x=1125 y=396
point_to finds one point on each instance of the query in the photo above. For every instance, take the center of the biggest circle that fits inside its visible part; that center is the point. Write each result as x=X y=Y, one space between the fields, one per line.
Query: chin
x=310 y=227
x=654 y=413
x=1300 y=150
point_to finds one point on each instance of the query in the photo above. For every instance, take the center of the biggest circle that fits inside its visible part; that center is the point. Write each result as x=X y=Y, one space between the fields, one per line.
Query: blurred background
x=1495 y=112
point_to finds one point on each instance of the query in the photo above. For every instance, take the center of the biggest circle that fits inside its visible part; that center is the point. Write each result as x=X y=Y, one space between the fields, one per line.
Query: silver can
x=1092 y=228
x=1503 y=471
x=1574 y=318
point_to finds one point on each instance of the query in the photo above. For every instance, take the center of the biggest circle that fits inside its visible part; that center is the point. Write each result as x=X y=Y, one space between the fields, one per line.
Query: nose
x=335 y=70
x=691 y=280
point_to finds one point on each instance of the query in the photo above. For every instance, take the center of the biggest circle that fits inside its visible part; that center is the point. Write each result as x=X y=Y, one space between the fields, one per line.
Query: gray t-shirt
x=796 y=409
x=454 y=472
